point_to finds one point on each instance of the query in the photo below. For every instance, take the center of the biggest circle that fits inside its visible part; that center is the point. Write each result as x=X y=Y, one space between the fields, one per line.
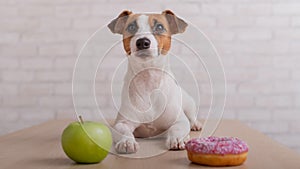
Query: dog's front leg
x=124 y=138
x=190 y=110
x=178 y=133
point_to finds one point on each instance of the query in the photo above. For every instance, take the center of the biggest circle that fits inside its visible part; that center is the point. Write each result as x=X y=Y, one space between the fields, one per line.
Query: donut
x=217 y=151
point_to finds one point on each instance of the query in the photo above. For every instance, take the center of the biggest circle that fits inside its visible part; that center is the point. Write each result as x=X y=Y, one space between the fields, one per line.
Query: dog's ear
x=176 y=24
x=117 y=25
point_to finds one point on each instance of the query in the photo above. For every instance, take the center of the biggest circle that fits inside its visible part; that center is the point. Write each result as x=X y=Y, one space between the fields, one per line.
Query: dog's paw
x=196 y=126
x=127 y=146
x=176 y=143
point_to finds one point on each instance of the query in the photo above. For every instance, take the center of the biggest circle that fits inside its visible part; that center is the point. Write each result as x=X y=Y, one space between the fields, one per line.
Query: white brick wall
x=258 y=41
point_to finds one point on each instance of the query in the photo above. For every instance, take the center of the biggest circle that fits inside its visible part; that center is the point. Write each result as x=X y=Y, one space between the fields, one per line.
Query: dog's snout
x=143 y=43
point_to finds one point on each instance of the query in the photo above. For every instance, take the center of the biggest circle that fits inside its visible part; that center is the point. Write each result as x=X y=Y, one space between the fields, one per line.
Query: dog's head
x=147 y=35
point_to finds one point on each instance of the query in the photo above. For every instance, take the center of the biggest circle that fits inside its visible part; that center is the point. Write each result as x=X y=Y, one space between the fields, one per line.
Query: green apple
x=86 y=142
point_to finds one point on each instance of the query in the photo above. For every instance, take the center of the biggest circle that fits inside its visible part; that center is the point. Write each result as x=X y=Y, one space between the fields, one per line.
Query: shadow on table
x=185 y=162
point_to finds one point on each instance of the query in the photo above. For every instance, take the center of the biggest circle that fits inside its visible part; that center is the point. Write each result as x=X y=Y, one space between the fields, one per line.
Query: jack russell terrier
x=152 y=102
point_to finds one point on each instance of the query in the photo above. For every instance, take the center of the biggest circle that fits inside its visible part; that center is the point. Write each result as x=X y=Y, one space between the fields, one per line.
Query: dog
x=152 y=103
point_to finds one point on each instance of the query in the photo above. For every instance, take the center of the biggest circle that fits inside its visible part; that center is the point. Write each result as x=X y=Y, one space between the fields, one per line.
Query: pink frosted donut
x=217 y=151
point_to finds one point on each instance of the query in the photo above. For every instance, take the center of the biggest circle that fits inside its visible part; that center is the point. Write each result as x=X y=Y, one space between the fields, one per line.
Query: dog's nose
x=143 y=43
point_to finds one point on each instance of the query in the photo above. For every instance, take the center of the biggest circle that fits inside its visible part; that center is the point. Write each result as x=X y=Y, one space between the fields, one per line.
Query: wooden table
x=39 y=148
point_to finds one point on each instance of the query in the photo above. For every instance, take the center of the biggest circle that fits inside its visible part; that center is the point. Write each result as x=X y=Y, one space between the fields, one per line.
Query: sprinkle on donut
x=217 y=145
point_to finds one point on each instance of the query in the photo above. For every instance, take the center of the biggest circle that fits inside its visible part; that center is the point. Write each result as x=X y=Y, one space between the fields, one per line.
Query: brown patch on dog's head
x=171 y=24
x=176 y=24
x=163 y=37
x=163 y=26
x=118 y=26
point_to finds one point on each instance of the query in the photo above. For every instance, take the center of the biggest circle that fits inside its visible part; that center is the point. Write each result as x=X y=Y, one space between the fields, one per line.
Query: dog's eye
x=159 y=28
x=131 y=28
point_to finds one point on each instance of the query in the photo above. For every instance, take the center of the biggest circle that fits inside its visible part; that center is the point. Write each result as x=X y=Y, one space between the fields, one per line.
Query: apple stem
x=81 y=119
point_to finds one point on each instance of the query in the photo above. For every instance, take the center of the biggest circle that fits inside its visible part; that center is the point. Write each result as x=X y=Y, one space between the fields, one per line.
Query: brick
x=18 y=50
x=203 y=21
x=253 y=114
x=286 y=87
x=64 y=63
x=35 y=89
x=284 y=63
x=291 y=140
x=19 y=101
x=36 y=63
x=243 y=1
x=89 y=114
x=17 y=76
x=85 y=102
x=273 y=74
x=7 y=11
x=219 y=34
x=36 y=114
x=147 y=8
x=272 y=21
x=240 y=75
x=8 y=115
x=256 y=47
x=254 y=9
x=215 y=9
x=55 y=102
x=180 y=9
x=255 y=88
x=39 y=37
x=74 y=36
x=268 y=127
x=252 y=61
x=239 y=101
x=101 y=77
x=296 y=75
x=295 y=21
x=235 y=21
x=274 y=101
x=9 y=63
x=103 y=11
x=294 y=127
x=229 y=114
x=17 y=24
x=56 y=37
x=8 y=2
x=53 y=76
x=294 y=48
x=8 y=89
x=88 y=23
x=56 y=50
x=72 y=11
x=206 y=89
x=108 y=113
x=37 y=2
x=65 y=114
x=36 y=10
x=286 y=8
x=63 y=89
x=9 y=127
x=286 y=114
x=254 y=35
x=297 y=101
x=9 y=38
x=290 y=34
x=102 y=101
x=50 y=24
x=205 y=100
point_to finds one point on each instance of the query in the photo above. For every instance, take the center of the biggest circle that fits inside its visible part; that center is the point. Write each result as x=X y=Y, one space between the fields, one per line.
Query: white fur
x=152 y=101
